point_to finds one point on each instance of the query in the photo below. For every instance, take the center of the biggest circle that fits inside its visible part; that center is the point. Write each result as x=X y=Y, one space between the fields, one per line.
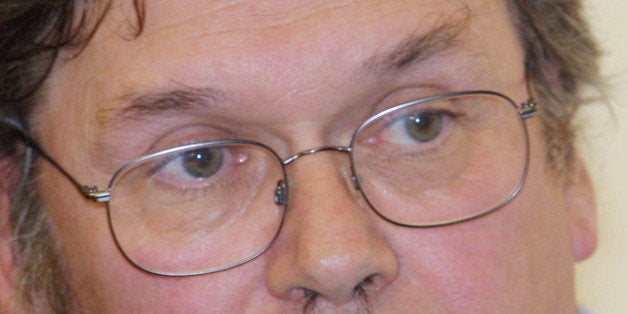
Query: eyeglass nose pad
x=356 y=182
x=281 y=193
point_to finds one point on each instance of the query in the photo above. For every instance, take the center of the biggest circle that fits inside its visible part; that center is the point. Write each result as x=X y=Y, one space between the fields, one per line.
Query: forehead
x=286 y=73
x=278 y=52
x=219 y=38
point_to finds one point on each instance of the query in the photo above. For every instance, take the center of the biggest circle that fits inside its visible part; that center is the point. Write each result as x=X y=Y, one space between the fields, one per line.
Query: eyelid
x=376 y=128
x=448 y=119
x=408 y=94
x=445 y=105
x=190 y=134
x=229 y=157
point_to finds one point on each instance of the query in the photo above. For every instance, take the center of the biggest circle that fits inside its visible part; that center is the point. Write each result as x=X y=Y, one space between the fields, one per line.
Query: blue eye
x=424 y=126
x=203 y=162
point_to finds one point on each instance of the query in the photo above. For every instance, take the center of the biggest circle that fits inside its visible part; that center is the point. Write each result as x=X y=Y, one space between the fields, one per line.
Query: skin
x=300 y=68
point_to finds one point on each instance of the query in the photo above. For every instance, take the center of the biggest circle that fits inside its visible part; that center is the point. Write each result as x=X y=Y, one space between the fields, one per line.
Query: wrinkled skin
x=294 y=75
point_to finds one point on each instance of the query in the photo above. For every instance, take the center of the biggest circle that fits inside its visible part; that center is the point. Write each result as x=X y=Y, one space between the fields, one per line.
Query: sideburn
x=42 y=283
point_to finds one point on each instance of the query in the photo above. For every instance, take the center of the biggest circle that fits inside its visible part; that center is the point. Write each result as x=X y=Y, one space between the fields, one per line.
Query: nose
x=330 y=245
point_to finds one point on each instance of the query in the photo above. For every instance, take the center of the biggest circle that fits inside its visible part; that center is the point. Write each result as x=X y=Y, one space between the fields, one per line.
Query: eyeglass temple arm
x=526 y=111
x=89 y=192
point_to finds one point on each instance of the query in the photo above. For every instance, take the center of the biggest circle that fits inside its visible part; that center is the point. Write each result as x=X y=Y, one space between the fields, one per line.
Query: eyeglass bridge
x=342 y=149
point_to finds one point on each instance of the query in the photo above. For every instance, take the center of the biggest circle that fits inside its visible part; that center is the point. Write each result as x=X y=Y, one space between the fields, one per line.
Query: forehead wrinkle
x=418 y=46
x=242 y=16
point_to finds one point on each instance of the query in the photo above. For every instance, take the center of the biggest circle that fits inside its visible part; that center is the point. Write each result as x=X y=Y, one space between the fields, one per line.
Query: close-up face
x=338 y=226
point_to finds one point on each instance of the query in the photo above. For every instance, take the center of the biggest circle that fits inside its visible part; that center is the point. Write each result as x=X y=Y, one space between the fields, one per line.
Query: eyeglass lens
x=205 y=207
x=441 y=161
x=198 y=209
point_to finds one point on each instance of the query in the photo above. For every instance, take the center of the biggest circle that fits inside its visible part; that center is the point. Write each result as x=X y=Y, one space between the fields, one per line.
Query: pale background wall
x=602 y=281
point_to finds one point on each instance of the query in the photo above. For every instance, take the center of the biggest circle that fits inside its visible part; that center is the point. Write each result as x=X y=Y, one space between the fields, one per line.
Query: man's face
x=296 y=75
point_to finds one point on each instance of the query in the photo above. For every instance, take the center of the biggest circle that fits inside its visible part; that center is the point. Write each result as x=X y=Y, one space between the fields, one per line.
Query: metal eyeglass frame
x=526 y=110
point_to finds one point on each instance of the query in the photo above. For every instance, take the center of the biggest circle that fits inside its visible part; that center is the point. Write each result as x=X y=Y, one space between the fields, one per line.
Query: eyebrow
x=419 y=47
x=154 y=103
x=413 y=49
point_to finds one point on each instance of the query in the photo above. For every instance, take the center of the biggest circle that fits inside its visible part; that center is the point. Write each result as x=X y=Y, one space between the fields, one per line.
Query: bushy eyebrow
x=152 y=104
x=420 y=47
x=411 y=50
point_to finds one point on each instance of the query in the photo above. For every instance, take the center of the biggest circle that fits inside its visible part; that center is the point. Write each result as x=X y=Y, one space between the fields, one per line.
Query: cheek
x=486 y=264
x=87 y=252
x=102 y=281
x=517 y=255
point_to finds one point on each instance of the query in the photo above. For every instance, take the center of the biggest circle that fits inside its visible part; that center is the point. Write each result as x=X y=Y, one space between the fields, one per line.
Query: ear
x=582 y=211
x=8 y=267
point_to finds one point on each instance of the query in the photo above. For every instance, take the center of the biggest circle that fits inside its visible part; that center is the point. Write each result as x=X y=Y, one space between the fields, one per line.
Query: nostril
x=310 y=300
x=309 y=295
x=361 y=288
x=359 y=299
x=302 y=294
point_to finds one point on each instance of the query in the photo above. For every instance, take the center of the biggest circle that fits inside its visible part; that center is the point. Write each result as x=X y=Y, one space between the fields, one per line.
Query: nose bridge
x=328 y=244
x=340 y=149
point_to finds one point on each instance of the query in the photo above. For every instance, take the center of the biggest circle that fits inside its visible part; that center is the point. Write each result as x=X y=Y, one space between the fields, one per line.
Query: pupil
x=204 y=162
x=424 y=126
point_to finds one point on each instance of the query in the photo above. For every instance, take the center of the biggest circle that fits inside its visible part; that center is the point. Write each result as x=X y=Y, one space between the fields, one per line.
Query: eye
x=196 y=169
x=424 y=126
x=417 y=127
x=202 y=163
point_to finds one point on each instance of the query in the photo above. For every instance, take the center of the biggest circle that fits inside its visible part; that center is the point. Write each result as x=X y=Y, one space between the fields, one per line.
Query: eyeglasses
x=205 y=207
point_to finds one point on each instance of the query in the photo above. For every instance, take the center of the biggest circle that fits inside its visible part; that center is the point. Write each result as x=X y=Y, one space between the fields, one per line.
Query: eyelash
x=176 y=161
x=390 y=131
